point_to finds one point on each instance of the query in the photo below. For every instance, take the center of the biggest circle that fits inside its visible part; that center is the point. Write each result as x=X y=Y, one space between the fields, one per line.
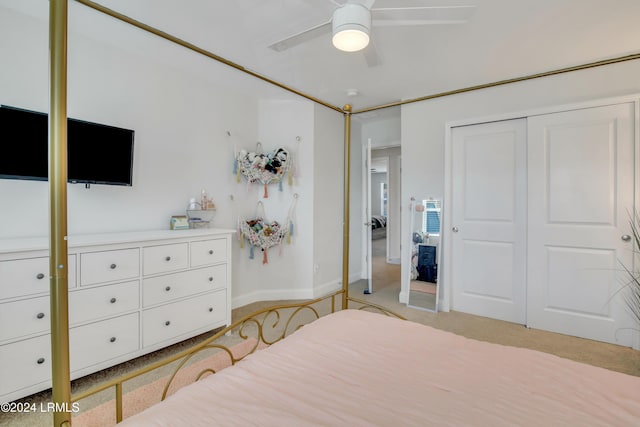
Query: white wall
x=181 y=119
x=328 y=193
x=423 y=123
x=377 y=178
x=383 y=128
x=356 y=206
x=288 y=272
x=394 y=222
x=173 y=114
x=311 y=265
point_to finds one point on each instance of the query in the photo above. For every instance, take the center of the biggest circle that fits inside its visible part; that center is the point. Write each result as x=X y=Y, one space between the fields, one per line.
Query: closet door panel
x=488 y=220
x=580 y=190
x=580 y=172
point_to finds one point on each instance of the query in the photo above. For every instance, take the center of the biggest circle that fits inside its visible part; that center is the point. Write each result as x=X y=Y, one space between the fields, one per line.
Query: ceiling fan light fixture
x=351 y=24
x=351 y=40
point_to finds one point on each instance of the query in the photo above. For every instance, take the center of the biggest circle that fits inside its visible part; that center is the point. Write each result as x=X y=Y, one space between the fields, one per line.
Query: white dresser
x=129 y=294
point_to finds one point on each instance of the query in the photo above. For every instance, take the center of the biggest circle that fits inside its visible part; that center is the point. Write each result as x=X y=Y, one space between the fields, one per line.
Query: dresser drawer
x=207 y=252
x=102 y=301
x=173 y=320
x=29 y=276
x=109 y=266
x=25 y=363
x=161 y=289
x=101 y=341
x=25 y=317
x=165 y=258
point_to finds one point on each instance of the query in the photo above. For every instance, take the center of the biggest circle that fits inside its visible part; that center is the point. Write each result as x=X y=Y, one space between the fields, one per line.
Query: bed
x=360 y=368
x=348 y=368
x=378 y=227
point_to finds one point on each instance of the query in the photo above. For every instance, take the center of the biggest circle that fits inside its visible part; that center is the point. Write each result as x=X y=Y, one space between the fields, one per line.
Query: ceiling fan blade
x=304 y=36
x=404 y=4
x=371 y=55
x=366 y=3
x=429 y=15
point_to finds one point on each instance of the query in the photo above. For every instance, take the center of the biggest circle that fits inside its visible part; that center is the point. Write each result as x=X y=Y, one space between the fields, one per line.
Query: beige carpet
x=386 y=279
x=147 y=395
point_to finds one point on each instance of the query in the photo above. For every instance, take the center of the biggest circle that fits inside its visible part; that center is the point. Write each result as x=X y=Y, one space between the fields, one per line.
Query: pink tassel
x=266 y=191
x=265 y=259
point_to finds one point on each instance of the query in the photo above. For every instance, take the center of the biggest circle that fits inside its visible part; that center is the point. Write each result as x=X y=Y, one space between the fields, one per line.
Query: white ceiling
x=503 y=39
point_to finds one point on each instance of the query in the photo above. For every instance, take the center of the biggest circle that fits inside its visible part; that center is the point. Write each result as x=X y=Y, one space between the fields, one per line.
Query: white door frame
x=366 y=217
x=446 y=231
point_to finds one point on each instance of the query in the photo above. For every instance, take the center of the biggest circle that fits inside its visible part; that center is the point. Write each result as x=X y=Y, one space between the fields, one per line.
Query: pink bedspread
x=357 y=368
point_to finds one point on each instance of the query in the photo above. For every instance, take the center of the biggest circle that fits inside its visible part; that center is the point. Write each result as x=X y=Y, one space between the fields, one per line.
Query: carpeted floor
x=387 y=288
x=145 y=396
x=386 y=291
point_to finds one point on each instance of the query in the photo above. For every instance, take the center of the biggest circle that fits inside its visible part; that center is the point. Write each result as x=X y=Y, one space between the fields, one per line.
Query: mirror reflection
x=426 y=230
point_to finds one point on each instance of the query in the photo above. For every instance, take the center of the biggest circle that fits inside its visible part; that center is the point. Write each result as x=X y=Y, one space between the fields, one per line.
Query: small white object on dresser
x=129 y=294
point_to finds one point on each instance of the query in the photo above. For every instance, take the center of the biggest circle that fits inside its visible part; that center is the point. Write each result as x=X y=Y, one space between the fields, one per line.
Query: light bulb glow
x=350 y=40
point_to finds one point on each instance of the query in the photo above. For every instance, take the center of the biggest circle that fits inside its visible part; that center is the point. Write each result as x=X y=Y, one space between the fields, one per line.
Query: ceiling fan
x=352 y=21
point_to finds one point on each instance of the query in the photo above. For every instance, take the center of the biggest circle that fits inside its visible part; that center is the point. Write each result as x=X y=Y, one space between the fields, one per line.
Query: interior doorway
x=382 y=219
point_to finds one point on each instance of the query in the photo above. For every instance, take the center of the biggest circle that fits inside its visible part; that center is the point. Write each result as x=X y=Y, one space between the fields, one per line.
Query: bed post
x=345 y=217
x=58 y=256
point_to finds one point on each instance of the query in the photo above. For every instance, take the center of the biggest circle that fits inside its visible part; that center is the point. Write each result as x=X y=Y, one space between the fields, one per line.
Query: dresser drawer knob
x=40 y=315
x=40 y=276
x=210 y=309
x=112 y=339
x=168 y=288
x=167 y=323
x=113 y=266
x=211 y=279
x=112 y=300
x=210 y=251
x=168 y=258
x=40 y=361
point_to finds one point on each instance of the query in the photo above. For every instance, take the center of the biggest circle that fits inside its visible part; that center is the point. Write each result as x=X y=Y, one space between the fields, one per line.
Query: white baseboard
x=271 y=295
x=288 y=294
x=403 y=297
x=393 y=260
x=326 y=288
x=355 y=277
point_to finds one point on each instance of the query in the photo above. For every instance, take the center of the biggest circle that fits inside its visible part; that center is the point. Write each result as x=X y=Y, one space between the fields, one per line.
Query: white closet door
x=488 y=238
x=580 y=190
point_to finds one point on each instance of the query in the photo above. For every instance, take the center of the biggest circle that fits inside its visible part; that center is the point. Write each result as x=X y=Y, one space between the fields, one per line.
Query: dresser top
x=79 y=240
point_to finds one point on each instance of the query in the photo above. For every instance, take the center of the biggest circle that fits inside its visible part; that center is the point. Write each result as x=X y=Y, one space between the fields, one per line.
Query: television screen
x=96 y=154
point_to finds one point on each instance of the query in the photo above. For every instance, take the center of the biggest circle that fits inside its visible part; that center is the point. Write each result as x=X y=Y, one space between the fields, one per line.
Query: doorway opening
x=382 y=218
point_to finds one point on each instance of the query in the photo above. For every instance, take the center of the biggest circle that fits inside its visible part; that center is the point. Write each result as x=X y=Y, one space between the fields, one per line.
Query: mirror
x=426 y=231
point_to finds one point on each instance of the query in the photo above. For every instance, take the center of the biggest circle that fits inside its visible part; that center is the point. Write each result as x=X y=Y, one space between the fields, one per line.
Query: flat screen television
x=96 y=153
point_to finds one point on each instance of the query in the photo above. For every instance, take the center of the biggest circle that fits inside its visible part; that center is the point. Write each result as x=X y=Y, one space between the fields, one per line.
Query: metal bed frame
x=58 y=16
x=259 y=329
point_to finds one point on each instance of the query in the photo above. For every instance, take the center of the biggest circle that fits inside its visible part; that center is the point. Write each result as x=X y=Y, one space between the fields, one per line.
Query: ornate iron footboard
x=257 y=330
